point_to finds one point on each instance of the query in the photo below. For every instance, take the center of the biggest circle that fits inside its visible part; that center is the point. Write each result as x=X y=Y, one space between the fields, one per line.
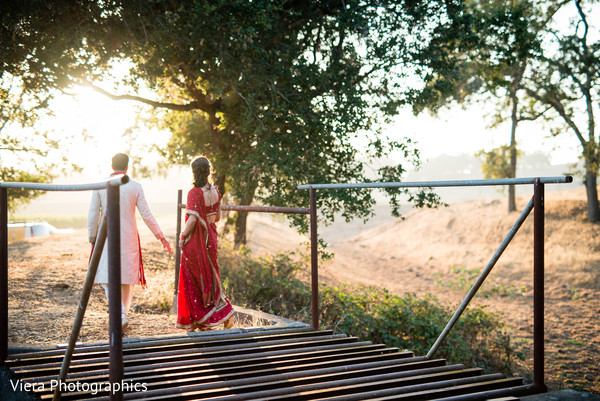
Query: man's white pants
x=126 y=296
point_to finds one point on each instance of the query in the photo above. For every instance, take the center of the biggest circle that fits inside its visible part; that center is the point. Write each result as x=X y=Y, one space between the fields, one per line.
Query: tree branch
x=559 y=108
x=533 y=117
x=195 y=105
x=28 y=150
x=250 y=108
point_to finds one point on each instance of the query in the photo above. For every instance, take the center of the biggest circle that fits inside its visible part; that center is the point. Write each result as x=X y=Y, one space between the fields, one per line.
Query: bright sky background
x=99 y=125
x=104 y=121
x=455 y=131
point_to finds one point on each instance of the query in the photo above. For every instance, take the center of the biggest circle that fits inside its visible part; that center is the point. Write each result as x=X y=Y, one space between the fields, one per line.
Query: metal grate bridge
x=297 y=363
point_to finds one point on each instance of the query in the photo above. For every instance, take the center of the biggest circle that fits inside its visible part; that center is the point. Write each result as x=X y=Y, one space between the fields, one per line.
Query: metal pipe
x=538 y=287
x=177 y=251
x=432 y=184
x=85 y=297
x=111 y=182
x=260 y=209
x=3 y=275
x=115 y=180
x=481 y=278
x=314 y=259
x=265 y=209
x=114 y=292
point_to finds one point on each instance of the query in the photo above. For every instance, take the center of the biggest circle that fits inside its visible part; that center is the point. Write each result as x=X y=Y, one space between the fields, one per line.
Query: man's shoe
x=124 y=323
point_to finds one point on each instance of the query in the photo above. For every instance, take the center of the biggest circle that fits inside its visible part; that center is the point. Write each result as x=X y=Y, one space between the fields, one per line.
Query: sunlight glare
x=99 y=127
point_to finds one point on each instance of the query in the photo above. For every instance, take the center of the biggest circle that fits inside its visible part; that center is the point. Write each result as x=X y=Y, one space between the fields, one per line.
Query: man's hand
x=166 y=245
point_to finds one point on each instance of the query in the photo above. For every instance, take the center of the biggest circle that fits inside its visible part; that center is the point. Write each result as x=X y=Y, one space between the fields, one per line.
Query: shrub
x=278 y=284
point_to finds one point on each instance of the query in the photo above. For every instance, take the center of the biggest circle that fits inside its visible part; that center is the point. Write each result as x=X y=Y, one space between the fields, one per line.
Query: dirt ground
x=430 y=251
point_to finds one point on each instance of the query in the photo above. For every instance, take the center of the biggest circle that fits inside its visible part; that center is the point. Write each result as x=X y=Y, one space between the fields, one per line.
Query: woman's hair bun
x=201 y=168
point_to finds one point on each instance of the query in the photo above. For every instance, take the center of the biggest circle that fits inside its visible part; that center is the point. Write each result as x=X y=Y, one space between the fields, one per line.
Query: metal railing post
x=538 y=286
x=114 y=293
x=314 y=259
x=82 y=306
x=3 y=275
x=177 y=251
x=114 y=181
x=481 y=279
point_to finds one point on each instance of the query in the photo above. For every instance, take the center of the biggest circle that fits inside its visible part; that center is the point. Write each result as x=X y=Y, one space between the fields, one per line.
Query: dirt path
x=46 y=275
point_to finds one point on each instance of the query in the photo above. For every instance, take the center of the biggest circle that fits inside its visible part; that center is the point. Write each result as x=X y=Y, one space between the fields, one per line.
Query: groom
x=132 y=268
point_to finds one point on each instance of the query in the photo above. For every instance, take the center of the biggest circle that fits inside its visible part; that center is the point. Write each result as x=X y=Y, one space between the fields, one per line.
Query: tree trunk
x=512 y=203
x=514 y=116
x=242 y=218
x=240 y=229
x=593 y=208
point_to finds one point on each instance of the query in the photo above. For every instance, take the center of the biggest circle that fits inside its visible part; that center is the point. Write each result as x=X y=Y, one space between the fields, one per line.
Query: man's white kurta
x=131 y=196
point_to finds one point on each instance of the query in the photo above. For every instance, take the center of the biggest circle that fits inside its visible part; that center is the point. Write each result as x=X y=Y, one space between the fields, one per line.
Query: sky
x=99 y=123
x=457 y=131
x=452 y=132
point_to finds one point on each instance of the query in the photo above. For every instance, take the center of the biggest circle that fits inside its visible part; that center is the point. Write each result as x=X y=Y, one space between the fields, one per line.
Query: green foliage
x=268 y=283
x=278 y=284
x=275 y=93
x=565 y=86
x=538 y=68
x=496 y=163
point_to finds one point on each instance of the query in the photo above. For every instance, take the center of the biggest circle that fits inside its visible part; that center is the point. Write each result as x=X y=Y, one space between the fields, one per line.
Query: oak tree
x=276 y=93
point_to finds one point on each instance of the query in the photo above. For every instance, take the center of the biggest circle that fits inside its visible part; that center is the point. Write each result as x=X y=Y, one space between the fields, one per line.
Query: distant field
x=167 y=221
x=58 y=221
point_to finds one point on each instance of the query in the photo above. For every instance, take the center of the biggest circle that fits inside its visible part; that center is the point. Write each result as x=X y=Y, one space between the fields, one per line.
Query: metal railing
x=536 y=204
x=110 y=224
x=113 y=228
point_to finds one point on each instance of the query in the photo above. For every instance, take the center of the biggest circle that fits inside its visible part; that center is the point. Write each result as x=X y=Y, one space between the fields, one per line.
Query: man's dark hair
x=120 y=161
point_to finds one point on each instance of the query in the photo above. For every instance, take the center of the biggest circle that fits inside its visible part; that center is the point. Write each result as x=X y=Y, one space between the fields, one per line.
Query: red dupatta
x=201 y=250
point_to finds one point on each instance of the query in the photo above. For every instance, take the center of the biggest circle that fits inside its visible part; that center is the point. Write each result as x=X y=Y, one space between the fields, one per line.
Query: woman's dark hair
x=201 y=168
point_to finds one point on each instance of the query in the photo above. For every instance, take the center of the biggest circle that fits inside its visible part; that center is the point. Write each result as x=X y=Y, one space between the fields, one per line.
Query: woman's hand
x=189 y=227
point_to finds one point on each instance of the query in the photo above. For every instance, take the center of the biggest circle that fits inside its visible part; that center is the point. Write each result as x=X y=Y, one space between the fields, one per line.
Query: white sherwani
x=131 y=195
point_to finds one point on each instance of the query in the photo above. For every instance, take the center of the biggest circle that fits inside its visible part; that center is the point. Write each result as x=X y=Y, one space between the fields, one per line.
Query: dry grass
x=45 y=279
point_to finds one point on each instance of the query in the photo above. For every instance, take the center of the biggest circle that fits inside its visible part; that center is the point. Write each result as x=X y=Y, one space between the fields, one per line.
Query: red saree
x=200 y=301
